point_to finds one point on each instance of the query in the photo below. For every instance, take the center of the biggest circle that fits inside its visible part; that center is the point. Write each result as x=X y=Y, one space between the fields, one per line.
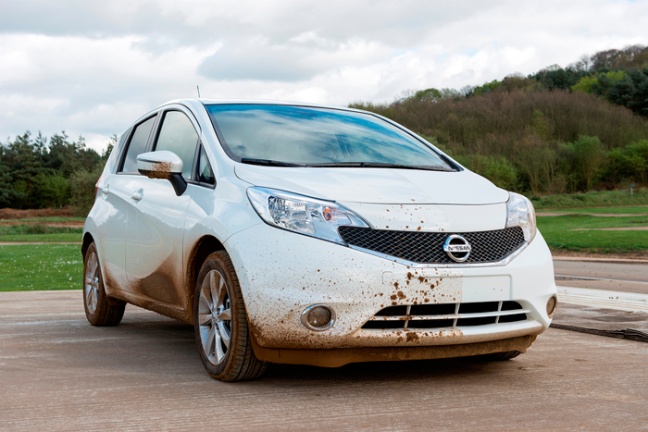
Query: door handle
x=137 y=195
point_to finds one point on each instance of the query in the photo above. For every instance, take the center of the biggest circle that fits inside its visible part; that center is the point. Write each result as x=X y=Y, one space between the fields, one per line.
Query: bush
x=51 y=190
x=83 y=190
x=497 y=169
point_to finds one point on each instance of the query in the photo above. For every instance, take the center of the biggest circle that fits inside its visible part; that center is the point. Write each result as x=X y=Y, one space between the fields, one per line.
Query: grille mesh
x=451 y=315
x=427 y=247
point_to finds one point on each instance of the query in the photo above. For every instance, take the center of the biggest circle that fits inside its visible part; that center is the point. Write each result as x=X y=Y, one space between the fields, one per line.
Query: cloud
x=303 y=57
x=92 y=67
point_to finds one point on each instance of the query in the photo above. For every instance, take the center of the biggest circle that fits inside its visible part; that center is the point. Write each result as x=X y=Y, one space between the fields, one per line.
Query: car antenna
x=198 y=89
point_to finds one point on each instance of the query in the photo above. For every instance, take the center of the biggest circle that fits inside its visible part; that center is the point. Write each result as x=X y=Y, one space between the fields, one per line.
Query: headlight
x=520 y=213
x=301 y=214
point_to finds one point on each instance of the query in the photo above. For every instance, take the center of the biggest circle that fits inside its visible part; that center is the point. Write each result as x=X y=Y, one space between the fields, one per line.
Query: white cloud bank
x=91 y=68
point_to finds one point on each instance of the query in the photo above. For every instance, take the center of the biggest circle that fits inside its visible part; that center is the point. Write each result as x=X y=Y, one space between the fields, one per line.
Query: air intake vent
x=439 y=316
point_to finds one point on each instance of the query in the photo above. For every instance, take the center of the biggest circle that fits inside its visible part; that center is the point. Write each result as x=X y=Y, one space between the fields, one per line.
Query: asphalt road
x=59 y=373
x=597 y=274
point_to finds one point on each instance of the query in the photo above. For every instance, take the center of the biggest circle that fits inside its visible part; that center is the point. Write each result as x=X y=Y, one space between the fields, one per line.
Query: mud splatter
x=411 y=337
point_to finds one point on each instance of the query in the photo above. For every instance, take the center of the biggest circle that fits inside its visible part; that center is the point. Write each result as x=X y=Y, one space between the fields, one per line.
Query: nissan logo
x=457 y=248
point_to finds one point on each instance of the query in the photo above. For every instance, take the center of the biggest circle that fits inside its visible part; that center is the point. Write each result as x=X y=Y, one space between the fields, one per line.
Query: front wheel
x=100 y=309
x=220 y=324
x=501 y=356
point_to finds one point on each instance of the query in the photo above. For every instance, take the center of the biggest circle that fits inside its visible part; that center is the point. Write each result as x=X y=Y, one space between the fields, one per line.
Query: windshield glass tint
x=313 y=136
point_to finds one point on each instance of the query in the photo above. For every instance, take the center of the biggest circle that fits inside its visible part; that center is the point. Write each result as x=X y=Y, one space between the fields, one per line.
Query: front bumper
x=282 y=273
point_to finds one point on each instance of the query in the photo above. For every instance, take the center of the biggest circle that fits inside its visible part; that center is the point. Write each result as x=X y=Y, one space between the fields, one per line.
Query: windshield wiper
x=378 y=165
x=269 y=162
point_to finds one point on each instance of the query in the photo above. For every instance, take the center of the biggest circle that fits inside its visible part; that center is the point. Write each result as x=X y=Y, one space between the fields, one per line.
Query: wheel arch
x=87 y=241
x=201 y=250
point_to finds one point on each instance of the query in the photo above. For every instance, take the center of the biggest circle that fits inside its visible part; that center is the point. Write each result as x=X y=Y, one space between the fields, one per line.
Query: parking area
x=59 y=373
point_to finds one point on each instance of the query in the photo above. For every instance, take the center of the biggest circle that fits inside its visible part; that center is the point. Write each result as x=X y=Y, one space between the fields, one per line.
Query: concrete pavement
x=58 y=373
x=604 y=297
x=626 y=275
x=604 y=313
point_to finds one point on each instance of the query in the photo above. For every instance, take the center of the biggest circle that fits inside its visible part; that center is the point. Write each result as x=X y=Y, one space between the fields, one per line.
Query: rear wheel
x=220 y=325
x=100 y=309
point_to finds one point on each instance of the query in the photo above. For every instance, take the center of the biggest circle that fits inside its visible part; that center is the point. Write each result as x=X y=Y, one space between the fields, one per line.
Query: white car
x=294 y=233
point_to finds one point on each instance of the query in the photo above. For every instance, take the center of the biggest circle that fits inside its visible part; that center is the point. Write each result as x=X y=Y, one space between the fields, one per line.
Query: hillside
x=546 y=133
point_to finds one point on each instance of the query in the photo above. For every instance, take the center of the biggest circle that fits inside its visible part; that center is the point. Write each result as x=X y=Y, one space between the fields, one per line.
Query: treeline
x=37 y=172
x=560 y=130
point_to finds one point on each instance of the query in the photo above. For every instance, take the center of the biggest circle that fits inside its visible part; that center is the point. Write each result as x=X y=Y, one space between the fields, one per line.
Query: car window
x=318 y=136
x=205 y=172
x=137 y=145
x=178 y=135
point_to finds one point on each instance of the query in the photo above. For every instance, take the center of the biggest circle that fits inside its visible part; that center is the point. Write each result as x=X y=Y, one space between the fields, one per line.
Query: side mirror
x=165 y=165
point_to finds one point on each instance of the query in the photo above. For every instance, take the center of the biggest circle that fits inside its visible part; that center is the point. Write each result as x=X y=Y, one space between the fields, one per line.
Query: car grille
x=427 y=247
x=451 y=315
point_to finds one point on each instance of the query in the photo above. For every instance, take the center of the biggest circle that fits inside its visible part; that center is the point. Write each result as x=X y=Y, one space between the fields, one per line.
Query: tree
x=69 y=156
x=6 y=188
x=589 y=157
x=557 y=78
x=35 y=174
x=537 y=161
x=629 y=163
x=632 y=92
x=83 y=189
x=23 y=158
x=52 y=190
x=497 y=169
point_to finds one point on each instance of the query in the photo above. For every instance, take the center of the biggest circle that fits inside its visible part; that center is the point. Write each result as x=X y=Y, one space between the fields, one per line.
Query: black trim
x=149 y=142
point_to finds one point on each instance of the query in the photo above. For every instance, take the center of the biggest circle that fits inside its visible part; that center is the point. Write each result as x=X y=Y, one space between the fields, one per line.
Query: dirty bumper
x=380 y=304
x=342 y=356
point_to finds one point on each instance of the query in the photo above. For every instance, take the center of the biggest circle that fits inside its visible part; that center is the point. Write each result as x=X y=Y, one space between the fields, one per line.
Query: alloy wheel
x=215 y=317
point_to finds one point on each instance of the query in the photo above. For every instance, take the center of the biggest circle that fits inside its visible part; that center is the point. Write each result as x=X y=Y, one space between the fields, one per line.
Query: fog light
x=551 y=306
x=318 y=317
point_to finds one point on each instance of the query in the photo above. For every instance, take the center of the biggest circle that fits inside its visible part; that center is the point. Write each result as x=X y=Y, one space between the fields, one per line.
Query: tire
x=100 y=309
x=220 y=323
x=502 y=356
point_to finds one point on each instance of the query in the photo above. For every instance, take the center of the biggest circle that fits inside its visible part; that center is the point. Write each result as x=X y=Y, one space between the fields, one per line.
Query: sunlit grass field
x=634 y=210
x=42 y=238
x=47 y=265
x=584 y=233
x=40 y=267
x=29 y=231
x=594 y=199
x=614 y=230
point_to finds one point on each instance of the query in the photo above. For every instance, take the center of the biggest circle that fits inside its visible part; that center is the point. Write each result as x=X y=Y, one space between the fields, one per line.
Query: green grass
x=580 y=231
x=591 y=199
x=642 y=209
x=583 y=233
x=42 y=238
x=49 y=219
x=36 y=233
x=40 y=267
x=60 y=267
x=28 y=229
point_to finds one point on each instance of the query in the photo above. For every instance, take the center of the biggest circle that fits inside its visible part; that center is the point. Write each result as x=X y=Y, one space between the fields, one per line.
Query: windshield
x=302 y=136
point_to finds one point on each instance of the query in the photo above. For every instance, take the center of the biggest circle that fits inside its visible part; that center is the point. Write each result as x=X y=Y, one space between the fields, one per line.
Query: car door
x=115 y=201
x=154 y=252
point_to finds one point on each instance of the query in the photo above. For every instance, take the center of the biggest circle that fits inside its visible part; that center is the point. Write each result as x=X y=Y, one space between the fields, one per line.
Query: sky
x=90 y=68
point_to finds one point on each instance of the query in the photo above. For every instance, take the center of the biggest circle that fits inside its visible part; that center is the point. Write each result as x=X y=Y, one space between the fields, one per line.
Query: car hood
x=377 y=185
